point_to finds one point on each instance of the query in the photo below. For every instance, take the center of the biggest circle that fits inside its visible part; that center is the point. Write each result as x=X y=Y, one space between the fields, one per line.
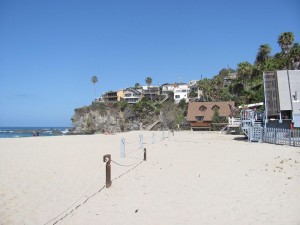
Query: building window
x=199 y=118
x=202 y=108
x=177 y=96
x=215 y=107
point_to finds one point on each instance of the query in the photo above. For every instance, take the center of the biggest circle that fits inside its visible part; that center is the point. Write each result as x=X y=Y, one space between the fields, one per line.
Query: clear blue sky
x=50 y=49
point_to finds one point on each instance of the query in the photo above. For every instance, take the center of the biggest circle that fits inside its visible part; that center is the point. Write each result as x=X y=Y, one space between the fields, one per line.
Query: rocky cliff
x=119 y=117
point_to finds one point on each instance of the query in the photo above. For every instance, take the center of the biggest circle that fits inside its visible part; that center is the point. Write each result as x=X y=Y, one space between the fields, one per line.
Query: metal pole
x=153 y=138
x=122 y=148
x=141 y=141
x=145 y=154
x=107 y=159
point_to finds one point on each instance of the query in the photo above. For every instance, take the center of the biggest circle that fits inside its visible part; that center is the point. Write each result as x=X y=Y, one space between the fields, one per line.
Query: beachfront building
x=200 y=114
x=181 y=91
x=132 y=96
x=282 y=98
x=282 y=110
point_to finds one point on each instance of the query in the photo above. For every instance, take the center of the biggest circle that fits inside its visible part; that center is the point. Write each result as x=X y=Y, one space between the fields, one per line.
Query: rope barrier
x=135 y=150
x=128 y=170
x=123 y=164
x=88 y=187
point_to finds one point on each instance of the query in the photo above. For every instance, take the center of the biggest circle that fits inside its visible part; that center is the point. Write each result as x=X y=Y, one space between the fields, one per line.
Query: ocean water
x=20 y=132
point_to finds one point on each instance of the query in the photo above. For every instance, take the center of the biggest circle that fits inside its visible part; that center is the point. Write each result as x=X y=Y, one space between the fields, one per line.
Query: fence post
x=107 y=159
x=145 y=154
x=290 y=137
x=153 y=138
x=122 y=148
x=275 y=136
x=261 y=134
x=294 y=137
x=141 y=141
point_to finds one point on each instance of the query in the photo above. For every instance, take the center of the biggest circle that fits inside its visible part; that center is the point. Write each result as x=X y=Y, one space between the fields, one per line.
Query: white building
x=132 y=96
x=181 y=91
x=167 y=88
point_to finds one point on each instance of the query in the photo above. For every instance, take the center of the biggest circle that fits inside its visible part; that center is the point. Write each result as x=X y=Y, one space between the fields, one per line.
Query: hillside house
x=132 y=96
x=151 y=92
x=200 y=114
x=112 y=96
x=167 y=89
x=181 y=91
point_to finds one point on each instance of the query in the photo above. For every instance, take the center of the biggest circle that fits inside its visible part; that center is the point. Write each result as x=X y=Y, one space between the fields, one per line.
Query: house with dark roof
x=200 y=114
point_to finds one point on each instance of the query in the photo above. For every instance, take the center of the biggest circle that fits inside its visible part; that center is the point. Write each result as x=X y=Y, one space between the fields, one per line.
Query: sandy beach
x=189 y=178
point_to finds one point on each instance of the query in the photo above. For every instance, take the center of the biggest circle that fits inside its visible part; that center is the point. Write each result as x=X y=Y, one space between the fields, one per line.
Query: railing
x=234 y=122
x=281 y=136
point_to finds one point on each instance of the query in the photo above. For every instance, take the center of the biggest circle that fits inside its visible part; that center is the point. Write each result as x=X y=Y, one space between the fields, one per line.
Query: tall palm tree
x=295 y=56
x=263 y=54
x=149 y=82
x=94 y=80
x=285 y=40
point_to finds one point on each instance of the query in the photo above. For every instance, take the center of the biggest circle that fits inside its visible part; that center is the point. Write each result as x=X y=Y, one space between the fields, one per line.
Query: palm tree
x=137 y=85
x=245 y=70
x=285 y=40
x=263 y=54
x=205 y=87
x=295 y=56
x=149 y=82
x=94 y=80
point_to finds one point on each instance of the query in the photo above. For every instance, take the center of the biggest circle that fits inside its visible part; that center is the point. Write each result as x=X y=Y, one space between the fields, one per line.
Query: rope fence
x=108 y=180
x=83 y=193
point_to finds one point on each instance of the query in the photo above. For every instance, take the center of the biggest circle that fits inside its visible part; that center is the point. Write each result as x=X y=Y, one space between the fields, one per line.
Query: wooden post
x=145 y=154
x=107 y=159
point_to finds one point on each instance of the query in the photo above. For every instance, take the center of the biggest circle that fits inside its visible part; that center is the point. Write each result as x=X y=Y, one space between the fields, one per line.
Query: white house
x=181 y=91
x=132 y=95
x=167 y=88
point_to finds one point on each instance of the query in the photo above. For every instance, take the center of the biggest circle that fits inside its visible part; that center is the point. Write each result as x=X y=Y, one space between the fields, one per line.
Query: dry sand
x=189 y=178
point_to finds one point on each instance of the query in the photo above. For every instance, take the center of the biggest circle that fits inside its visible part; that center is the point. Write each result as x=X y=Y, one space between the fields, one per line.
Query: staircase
x=156 y=122
x=251 y=125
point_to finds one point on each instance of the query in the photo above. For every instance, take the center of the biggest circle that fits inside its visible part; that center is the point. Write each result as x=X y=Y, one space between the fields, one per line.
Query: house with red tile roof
x=200 y=114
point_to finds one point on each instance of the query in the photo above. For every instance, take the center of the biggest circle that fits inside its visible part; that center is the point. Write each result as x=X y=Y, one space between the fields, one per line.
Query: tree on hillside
x=137 y=85
x=285 y=40
x=94 y=80
x=205 y=88
x=263 y=54
x=149 y=82
x=245 y=70
x=295 y=56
